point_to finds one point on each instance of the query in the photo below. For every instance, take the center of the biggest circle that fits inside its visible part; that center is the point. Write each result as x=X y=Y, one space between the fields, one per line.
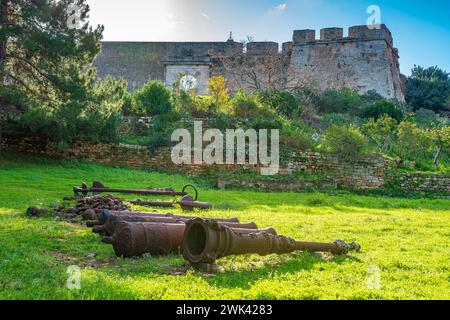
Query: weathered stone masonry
x=365 y=60
x=364 y=174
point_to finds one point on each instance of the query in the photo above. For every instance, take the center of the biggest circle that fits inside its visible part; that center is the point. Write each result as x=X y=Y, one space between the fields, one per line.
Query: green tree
x=413 y=143
x=428 y=88
x=441 y=143
x=43 y=56
x=153 y=99
x=219 y=91
x=381 y=131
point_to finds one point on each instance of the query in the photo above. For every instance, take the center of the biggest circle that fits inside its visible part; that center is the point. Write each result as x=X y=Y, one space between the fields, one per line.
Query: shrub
x=412 y=142
x=127 y=104
x=195 y=106
x=162 y=128
x=339 y=119
x=295 y=139
x=152 y=99
x=384 y=107
x=426 y=118
x=96 y=116
x=372 y=96
x=219 y=91
x=381 y=131
x=440 y=138
x=344 y=100
x=345 y=142
x=281 y=101
x=247 y=106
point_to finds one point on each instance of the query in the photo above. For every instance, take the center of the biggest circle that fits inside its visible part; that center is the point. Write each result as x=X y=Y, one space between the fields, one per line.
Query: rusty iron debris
x=187 y=203
x=98 y=187
x=205 y=241
x=90 y=207
x=131 y=239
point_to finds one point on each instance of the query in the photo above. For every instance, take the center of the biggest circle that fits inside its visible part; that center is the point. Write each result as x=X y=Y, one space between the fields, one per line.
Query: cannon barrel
x=98 y=187
x=187 y=203
x=205 y=241
x=108 y=227
x=161 y=204
x=103 y=216
x=132 y=239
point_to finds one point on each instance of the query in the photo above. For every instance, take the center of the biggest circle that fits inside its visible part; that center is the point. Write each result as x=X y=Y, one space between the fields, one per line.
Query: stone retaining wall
x=363 y=174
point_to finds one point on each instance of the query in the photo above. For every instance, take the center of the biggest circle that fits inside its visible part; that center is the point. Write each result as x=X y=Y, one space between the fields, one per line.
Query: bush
x=339 y=120
x=219 y=91
x=247 y=106
x=381 y=132
x=426 y=118
x=127 y=104
x=162 y=128
x=295 y=139
x=345 y=142
x=380 y=108
x=96 y=116
x=195 y=106
x=412 y=142
x=281 y=101
x=344 y=100
x=152 y=99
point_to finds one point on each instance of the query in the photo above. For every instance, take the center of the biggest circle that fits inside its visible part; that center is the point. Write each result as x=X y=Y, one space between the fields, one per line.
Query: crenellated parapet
x=355 y=33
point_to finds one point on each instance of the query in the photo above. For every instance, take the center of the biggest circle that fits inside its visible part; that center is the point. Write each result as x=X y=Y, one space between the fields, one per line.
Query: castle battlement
x=355 y=33
x=364 y=60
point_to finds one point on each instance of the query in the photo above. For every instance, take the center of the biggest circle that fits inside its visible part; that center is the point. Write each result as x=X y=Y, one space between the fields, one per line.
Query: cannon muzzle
x=132 y=239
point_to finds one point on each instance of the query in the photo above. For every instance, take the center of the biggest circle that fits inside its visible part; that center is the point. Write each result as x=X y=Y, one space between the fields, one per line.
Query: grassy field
x=407 y=240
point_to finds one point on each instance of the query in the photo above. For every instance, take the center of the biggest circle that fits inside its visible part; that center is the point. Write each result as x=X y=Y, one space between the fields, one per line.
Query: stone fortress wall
x=364 y=60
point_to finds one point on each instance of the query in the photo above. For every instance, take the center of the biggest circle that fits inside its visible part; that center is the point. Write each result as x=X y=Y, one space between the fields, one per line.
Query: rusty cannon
x=103 y=216
x=109 y=221
x=133 y=239
x=187 y=203
x=205 y=241
x=98 y=187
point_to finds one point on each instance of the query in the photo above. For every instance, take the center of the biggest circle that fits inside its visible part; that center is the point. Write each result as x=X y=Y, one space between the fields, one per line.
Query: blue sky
x=421 y=29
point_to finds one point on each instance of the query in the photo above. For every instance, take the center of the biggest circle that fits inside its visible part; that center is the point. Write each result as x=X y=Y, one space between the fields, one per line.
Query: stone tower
x=365 y=60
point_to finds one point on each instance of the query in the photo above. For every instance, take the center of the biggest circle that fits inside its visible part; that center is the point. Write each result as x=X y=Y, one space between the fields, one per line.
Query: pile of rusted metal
x=89 y=207
x=201 y=240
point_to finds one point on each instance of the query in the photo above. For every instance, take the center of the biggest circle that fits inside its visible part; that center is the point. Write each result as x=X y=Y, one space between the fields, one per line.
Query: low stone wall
x=418 y=182
x=293 y=185
x=364 y=174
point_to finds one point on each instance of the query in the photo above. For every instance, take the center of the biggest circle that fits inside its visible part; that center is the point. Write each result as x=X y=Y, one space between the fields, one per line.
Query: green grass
x=408 y=239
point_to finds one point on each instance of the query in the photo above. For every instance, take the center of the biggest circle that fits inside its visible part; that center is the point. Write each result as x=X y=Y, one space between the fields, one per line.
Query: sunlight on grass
x=407 y=239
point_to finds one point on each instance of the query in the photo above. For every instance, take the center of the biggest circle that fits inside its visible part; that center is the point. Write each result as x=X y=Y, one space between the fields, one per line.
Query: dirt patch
x=89 y=261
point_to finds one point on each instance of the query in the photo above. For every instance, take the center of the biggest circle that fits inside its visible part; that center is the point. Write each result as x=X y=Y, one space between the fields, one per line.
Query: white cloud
x=281 y=7
x=204 y=15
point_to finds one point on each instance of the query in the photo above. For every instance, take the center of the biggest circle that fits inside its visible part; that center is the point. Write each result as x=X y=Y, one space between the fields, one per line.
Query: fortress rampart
x=365 y=60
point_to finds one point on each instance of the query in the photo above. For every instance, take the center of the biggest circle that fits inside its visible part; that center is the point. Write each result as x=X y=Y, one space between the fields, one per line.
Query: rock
x=35 y=212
